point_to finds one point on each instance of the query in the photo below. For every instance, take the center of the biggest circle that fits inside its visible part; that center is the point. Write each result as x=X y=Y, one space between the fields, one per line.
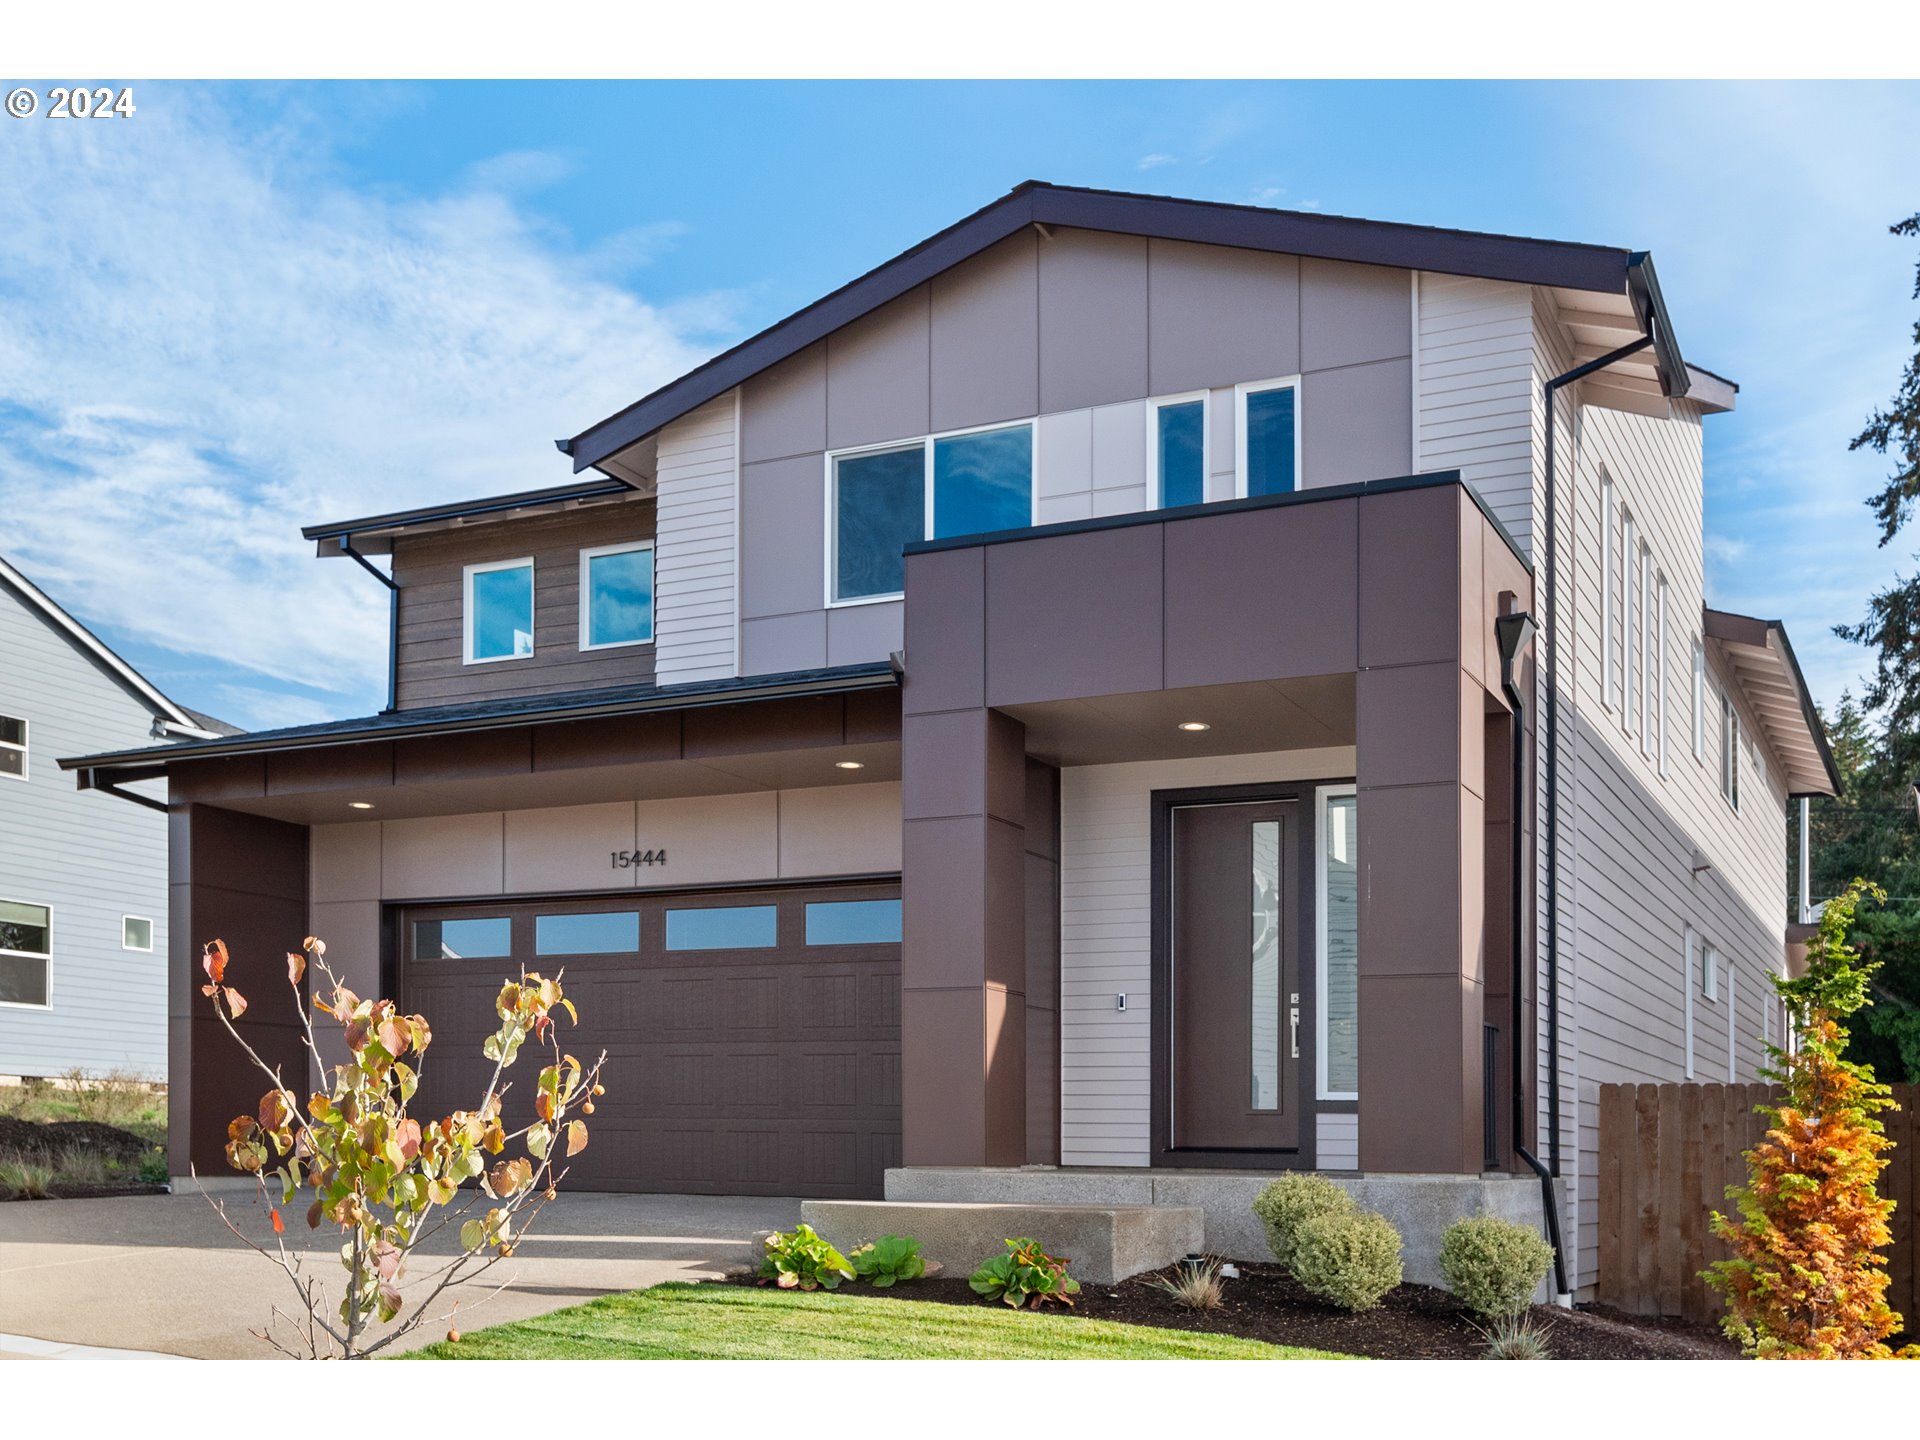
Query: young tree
x=1807 y=1279
x=383 y=1180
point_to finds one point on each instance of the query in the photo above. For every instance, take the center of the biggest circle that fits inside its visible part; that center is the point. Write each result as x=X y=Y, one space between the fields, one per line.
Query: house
x=1129 y=694
x=83 y=880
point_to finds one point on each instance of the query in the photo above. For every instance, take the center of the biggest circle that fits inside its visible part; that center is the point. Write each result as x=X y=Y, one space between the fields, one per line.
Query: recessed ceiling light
x=359 y=805
x=849 y=764
x=1195 y=725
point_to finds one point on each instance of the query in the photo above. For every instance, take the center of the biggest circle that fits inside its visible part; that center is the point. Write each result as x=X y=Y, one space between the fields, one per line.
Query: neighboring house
x=1043 y=705
x=83 y=879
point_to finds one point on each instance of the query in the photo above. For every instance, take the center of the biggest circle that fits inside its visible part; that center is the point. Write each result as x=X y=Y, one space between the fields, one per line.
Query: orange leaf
x=576 y=1136
x=296 y=967
x=279 y=1228
x=213 y=959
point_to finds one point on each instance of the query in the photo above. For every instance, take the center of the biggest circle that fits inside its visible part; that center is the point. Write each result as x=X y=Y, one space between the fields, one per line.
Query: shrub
x=1516 y=1337
x=1025 y=1275
x=800 y=1259
x=889 y=1259
x=24 y=1178
x=1289 y=1202
x=153 y=1168
x=1493 y=1265
x=81 y=1169
x=1349 y=1260
x=1198 y=1287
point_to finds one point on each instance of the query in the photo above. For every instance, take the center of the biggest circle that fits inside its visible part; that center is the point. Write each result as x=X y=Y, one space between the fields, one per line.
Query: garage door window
x=490 y=938
x=609 y=933
x=731 y=927
x=853 y=922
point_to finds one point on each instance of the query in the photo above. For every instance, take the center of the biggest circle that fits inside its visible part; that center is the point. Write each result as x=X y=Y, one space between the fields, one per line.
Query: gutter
x=393 y=620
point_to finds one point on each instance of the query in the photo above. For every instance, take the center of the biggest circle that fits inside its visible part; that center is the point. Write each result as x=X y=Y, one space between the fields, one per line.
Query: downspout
x=393 y=622
x=1550 y=768
x=1513 y=632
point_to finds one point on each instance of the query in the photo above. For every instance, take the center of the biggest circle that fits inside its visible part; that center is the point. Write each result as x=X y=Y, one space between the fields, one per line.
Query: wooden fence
x=1667 y=1155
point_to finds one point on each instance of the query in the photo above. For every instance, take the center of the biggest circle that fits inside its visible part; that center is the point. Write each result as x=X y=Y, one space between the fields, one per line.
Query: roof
x=1763 y=662
x=1562 y=264
x=189 y=722
x=499 y=714
x=374 y=534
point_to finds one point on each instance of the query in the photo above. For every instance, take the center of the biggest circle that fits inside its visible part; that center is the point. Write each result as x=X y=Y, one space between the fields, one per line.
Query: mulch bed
x=46 y=1142
x=1414 y=1322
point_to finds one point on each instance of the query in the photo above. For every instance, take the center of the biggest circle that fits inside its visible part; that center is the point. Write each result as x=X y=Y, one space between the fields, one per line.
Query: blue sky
x=251 y=307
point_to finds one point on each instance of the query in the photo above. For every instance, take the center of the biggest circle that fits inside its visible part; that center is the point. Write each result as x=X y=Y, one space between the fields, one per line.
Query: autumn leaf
x=296 y=967
x=236 y=1002
x=394 y=1035
x=576 y=1137
x=315 y=944
x=279 y=1227
x=213 y=959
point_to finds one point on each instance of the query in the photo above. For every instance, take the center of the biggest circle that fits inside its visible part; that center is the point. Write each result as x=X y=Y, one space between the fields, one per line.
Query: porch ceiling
x=1311 y=712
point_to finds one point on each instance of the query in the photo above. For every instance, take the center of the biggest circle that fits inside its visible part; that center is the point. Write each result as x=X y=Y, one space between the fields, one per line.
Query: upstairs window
x=1178 y=454
x=13 y=747
x=136 y=933
x=882 y=499
x=26 y=953
x=1630 y=637
x=1267 y=431
x=616 y=595
x=1660 y=664
x=1649 y=656
x=1729 y=751
x=1699 y=701
x=499 y=611
x=1609 y=590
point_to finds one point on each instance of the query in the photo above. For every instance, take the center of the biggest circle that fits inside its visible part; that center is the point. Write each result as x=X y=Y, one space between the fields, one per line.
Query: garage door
x=752 y=1037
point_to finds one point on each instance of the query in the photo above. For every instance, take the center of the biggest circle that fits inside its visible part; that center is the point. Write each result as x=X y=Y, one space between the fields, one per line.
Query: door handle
x=1293 y=1032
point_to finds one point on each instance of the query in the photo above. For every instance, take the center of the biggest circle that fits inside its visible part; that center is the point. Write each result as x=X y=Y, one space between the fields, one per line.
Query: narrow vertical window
x=1690 y=963
x=1733 y=1026
x=1699 y=700
x=1339 y=936
x=1630 y=630
x=1660 y=665
x=13 y=747
x=1649 y=657
x=1264 y=963
x=1267 y=437
x=1609 y=594
x=1729 y=751
x=1179 y=452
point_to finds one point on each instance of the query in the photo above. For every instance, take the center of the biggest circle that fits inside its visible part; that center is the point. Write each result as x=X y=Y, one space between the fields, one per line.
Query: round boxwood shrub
x=1289 y=1202
x=1494 y=1265
x=1350 y=1260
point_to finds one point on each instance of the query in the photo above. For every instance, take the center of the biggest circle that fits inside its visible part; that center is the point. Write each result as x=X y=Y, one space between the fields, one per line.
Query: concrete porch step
x=1104 y=1243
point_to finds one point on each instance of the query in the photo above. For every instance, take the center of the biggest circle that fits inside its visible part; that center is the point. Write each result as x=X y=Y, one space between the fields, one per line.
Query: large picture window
x=26 y=953
x=499 y=611
x=616 y=595
x=1339 y=944
x=882 y=499
x=1267 y=437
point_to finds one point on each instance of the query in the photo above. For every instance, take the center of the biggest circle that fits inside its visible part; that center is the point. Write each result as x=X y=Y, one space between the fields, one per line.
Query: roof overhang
x=1769 y=677
x=1595 y=269
x=375 y=534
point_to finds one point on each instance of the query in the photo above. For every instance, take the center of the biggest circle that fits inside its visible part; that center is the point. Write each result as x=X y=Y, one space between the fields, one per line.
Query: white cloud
x=207 y=340
x=1152 y=162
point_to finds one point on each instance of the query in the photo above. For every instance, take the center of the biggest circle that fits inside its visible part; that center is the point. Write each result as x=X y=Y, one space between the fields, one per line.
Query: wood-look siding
x=430 y=571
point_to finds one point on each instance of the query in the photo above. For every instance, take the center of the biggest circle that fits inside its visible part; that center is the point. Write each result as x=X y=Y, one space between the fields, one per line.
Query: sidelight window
x=1338 y=874
x=1267 y=919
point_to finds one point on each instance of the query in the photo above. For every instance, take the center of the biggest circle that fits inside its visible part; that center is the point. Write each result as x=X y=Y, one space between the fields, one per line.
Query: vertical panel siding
x=91 y=857
x=695 y=594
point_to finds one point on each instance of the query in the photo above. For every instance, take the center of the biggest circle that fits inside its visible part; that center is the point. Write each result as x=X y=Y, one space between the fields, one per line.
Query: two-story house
x=83 y=880
x=1129 y=696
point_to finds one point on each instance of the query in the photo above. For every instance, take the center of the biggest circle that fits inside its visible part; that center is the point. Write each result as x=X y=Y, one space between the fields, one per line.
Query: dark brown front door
x=1235 y=970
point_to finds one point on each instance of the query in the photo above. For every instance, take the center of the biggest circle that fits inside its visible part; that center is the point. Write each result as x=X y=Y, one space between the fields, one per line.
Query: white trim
x=1629 y=622
x=1733 y=1026
x=467 y=657
x=46 y=956
x=1325 y=793
x=1699 y=701
x=1660 y=667
x=146 y=920
x=1609 y=594
x=1692 y=950
x=1649 y=653
x=1156 y=494
x=1729 y=751
x=25 y=748
x=1413 y=397
x=739 y=539
x=624 y=547
x=1709 y=973
x=1254 y=387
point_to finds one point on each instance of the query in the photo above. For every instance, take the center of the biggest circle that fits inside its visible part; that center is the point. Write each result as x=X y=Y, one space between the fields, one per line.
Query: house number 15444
x=627 y=859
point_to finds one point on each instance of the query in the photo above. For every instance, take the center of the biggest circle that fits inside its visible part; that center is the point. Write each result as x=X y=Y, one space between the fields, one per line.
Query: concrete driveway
x=162 y=1273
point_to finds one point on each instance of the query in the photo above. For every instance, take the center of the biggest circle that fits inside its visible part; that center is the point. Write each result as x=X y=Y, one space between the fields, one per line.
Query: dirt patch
x=1414 y=1322
x=87 y=1159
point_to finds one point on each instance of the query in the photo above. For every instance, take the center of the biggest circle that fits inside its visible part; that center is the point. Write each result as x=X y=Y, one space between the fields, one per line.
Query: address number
x=627 y=859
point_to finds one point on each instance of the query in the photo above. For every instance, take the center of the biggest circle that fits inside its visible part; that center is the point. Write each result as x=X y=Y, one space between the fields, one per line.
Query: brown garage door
x=752 y=1037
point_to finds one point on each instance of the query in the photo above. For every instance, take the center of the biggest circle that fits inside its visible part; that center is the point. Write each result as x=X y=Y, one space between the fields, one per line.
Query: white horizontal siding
x=696 y=554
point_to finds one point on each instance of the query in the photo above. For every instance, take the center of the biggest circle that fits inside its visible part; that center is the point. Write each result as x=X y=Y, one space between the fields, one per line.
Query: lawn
x=737 y=1322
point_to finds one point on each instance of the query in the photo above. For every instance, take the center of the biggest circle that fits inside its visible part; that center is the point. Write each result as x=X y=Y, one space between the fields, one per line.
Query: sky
x=247 y=308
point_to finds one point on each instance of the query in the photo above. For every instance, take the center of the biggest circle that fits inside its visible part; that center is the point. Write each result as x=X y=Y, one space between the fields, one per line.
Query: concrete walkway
x=161 y=1273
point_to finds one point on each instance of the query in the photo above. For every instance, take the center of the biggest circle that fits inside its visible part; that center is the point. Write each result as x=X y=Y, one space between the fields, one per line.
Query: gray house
x=1129 y=696
x=83 y=879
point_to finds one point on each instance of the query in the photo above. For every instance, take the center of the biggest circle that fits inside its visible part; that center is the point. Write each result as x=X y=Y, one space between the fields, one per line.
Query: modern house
x=1130 y=693
x=83 y=880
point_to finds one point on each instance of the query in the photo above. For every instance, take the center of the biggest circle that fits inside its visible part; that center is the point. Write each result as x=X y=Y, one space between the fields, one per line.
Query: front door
x=1235 y=972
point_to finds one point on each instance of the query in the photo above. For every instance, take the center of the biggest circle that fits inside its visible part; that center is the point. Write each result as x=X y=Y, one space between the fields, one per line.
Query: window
x=1178 y=455
x=1660 y=665
x=1266 y=437
x=1630 y=631
x=1338 y=924
x=499 y=611
x=1733 y=1028
x=1699 y=701
x=488 y=938
x=1729 y=751
x=26 y=953
x=853 y=922
x=613 y=932
x=727 y=927
x=882 y=499
x=1686 y=993
x=13 y=747
x=136 y=933
x=1609 y=688
x=1709 y=973
x=616 y=596
x=1649 y=717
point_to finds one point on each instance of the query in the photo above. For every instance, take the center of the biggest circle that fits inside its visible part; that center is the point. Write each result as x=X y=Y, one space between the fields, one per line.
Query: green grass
x=111 y=1099
x=735 y=1322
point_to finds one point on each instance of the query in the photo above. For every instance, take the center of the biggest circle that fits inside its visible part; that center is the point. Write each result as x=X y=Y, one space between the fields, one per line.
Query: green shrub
x=1289 y=1202
x=1515 y=1337
x=1349 y=1260
x=801 y=1260
x=886 y=1260
x=1493 y=1265
x=1025 y=1275
x=153 y=1168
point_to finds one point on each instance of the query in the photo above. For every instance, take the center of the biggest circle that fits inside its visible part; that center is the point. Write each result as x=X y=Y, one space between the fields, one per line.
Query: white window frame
x=1729 y=751
x=926 y=443
x=1649 y=654
x=1259 y=387
x=146 y=920
x=1693 y=951
x=1660 y=669
x=1629 y=629
x=1733 y=1026
x=1709 y=973
x=1699 y=701
x=47 y=956
x=486 y=567
x=1205 y=399
x=1325 y=793
x=1609 y=594
x=24 y=747
x=625 y=547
